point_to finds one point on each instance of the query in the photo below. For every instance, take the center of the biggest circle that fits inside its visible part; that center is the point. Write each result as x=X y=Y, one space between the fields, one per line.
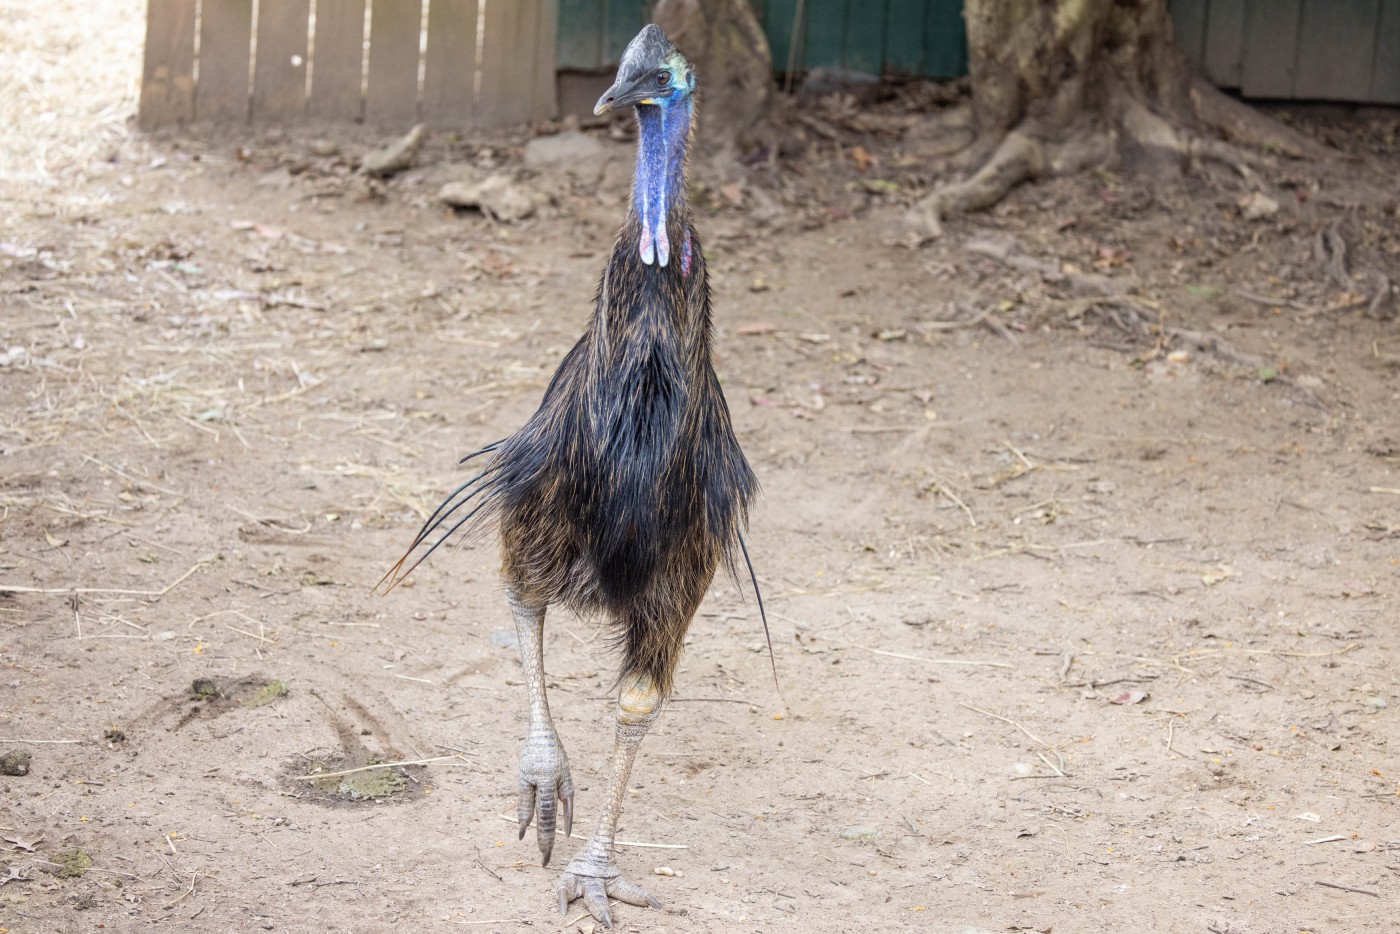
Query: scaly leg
x=544 y=769
x=592 y=875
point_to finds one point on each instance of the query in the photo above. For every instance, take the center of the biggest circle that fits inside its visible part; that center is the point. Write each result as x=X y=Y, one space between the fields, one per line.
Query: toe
x=632 y=894
x=545 y=827
x=525 y=806
x=566 y=803
x=595 y=899
x=567 y=888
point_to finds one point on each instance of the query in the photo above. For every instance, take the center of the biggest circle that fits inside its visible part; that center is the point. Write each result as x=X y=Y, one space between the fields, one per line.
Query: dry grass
x=70 y=75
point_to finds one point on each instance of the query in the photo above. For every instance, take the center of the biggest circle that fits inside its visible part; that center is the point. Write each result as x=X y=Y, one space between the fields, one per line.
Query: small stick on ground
x=488 y=869
x=1349 y=888
x=1057 y=770
x=1171 y=733
x=1248 y=680
x=940 y=487
x=997 y=716
x=186 y=893
x=366 y=768
x=9 y=588
x=502 y=920
x=933 y=661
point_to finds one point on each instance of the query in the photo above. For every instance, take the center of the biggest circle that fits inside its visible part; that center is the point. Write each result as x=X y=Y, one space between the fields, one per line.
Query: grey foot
x=544 y=781
x=580 y=881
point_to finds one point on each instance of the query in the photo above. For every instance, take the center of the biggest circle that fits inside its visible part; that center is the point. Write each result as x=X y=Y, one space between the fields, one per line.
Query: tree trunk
x=726 y=44
x=1059 y=85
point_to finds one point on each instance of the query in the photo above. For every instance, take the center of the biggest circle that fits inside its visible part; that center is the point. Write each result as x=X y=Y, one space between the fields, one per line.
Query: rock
x=15 y=762
x=1256 y=206
x=569 y=151
x=280 y=179
x=382 y=163
x=497 y=196
x=823 y=81
x=323 y=147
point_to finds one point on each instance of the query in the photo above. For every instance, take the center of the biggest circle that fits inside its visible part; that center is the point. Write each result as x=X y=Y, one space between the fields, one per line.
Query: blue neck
x=663 y=131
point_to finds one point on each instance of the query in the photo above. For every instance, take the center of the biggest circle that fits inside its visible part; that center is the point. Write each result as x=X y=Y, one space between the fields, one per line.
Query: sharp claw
x=525 y=807
x=563 y=900
x=546 y=849
x=595 y=899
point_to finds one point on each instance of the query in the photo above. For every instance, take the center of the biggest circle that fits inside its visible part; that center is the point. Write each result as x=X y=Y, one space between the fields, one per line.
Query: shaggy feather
x=626 y=489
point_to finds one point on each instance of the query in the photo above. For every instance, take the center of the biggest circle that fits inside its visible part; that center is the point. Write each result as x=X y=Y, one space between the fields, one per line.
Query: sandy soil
x=1078 y=626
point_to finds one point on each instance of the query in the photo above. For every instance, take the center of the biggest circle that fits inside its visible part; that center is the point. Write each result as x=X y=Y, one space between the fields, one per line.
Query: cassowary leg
x=593 y=875
x=544 y=769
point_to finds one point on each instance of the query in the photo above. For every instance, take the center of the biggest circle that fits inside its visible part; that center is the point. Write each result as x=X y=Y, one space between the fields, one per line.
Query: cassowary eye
x=663 y=78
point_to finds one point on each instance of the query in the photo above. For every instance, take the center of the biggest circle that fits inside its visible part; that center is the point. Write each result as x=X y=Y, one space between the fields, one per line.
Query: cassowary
x=626 y=489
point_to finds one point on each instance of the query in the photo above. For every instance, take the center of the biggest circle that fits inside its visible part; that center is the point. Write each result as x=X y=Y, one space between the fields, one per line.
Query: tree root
x=1240 y=123
x=1031 y=151
x=1150 y=131
x=1024 y=155
x=1021 y=156
x=1330 y=249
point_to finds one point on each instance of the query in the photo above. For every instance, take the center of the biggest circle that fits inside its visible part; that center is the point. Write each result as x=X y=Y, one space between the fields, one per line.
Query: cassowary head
x=651 y=73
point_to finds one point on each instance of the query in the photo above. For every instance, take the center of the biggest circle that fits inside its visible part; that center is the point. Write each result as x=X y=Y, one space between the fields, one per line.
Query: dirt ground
x=1084 y=619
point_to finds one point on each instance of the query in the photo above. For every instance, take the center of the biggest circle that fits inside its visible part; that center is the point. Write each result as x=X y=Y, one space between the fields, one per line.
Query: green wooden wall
x=1291 y=49
x=919 y=38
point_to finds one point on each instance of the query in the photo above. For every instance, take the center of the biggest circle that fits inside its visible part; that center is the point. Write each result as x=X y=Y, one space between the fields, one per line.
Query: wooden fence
x=1342 y=50
x=387 y=62
x=462 y=62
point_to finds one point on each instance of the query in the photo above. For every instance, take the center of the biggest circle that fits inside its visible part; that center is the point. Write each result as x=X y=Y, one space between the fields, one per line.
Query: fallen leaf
x=862 y=158
x=754 y=328
x=55 y=541
x=814 y=338
x=879 y=186
x=1130 y=697
x=26 y=845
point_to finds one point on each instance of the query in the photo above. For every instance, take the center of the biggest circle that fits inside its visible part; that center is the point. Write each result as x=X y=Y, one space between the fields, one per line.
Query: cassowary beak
x=622 y=94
